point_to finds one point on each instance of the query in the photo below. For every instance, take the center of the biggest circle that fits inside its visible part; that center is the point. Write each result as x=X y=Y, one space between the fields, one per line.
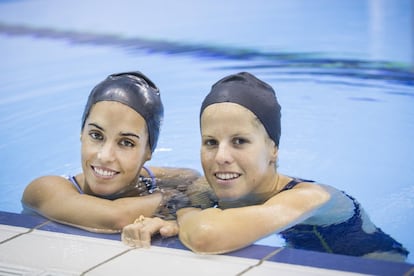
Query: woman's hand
x=140 y=232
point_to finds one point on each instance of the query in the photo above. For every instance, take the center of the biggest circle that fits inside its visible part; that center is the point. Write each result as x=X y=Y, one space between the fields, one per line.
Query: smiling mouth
x=227 y=176
x=104 y=173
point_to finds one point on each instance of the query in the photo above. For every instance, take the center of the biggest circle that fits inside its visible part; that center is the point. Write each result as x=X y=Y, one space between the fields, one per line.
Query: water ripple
x=313 y=63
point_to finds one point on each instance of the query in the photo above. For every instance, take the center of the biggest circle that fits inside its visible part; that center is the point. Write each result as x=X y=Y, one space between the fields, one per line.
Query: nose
x=223 y=155
x=106 y=153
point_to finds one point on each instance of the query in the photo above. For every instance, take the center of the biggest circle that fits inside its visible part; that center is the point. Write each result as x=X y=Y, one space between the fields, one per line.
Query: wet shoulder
x=45 y=187
x=339 y=208
x=54 y=183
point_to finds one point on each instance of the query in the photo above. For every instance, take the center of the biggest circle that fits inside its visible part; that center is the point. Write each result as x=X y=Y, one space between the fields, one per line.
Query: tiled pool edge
x=285 y=255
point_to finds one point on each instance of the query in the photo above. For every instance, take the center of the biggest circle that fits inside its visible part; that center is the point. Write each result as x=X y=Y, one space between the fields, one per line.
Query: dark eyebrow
x=130 y=134
x=95 y=125
x=122 y=133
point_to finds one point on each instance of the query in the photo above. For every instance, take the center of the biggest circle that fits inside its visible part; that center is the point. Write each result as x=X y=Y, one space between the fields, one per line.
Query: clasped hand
x=140 y=232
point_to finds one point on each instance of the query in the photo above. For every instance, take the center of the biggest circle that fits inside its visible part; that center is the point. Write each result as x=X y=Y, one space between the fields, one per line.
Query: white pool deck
x=47 y=248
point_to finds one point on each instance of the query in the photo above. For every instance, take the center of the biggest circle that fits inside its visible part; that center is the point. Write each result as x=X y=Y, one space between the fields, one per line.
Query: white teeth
x=227 y=176
x=104 y=172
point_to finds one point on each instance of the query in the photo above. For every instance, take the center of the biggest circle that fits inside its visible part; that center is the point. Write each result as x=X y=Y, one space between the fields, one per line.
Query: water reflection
x=298 y=63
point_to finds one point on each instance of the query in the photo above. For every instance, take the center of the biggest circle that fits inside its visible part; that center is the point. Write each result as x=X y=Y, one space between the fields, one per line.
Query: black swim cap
x=250 y=92
x=135 y=90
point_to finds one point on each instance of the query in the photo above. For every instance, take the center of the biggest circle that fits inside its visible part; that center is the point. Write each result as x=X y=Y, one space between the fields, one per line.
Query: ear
x=274 y=151
x=148 y=153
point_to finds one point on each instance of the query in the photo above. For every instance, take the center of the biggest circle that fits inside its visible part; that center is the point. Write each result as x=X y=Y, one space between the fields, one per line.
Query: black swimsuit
x=346 y=238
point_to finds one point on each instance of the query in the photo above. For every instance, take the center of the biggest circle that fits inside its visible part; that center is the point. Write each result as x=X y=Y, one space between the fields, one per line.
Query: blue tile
x=20 y=220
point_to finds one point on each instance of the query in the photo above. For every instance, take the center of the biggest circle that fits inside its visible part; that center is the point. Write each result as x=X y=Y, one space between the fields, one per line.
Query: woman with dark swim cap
x=240 y=129
x=119 y=132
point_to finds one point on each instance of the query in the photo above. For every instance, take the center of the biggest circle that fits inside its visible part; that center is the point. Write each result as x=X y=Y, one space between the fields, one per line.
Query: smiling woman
x=120 y=129
x=240 y=129
x=114 y=141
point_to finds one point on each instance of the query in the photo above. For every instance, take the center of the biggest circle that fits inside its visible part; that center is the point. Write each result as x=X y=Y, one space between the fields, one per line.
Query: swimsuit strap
x=290 y=185
x=75 y=183
x=295 y=181
x=151 y=184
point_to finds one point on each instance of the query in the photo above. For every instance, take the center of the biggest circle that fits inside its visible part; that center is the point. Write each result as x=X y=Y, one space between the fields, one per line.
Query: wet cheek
x=206 y=161
x=88 y=152
x=262 y=167
x=207 y=155
x=84 y=152
x=132 y=162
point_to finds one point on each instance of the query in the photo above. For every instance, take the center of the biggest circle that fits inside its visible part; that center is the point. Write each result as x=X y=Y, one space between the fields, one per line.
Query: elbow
x=191 y=174
x=119 y=224
x=201 y=240
x=33 y=194
x=116 y=221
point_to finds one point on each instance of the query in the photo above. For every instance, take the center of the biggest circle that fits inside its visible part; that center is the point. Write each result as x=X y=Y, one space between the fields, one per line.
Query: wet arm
x=168 y=177
x=55 y=198
x=216 y=231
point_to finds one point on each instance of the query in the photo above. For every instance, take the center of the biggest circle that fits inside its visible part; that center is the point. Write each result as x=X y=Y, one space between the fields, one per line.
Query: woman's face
x=237 y=155
x=114 y=147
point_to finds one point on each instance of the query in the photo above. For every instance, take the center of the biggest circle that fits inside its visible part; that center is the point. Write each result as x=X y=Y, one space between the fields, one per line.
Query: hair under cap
x=250 y=92
x=135 y=90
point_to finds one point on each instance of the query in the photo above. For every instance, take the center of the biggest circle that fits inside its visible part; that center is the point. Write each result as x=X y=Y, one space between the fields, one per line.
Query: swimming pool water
x=344 y=80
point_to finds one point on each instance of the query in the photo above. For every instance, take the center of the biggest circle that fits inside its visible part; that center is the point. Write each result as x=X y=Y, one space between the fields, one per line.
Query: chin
x=225 y=196
x=102 y=191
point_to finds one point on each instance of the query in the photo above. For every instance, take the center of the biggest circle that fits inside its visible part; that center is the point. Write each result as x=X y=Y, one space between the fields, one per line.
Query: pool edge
x=259 y=252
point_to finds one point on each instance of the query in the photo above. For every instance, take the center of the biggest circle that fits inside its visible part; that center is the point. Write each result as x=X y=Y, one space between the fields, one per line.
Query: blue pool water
x=343 y=72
